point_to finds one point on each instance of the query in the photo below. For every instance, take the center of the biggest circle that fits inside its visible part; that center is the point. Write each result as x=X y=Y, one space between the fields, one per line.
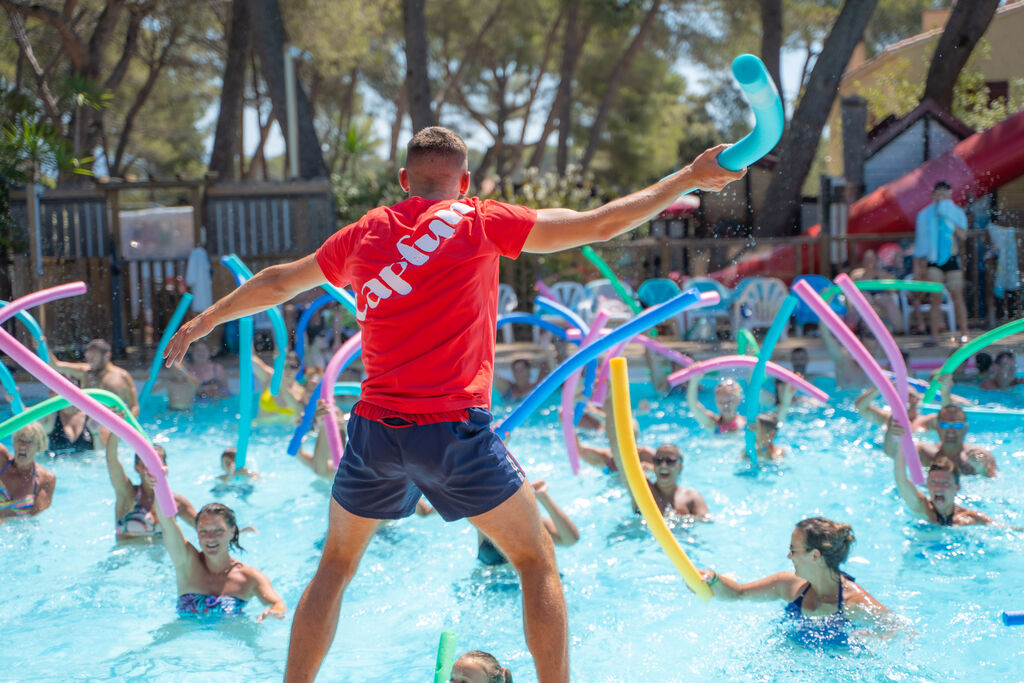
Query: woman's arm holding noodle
x=778 y=586
x=705 y=418
x=123 y=487
x=44 y=494
x=914 y=499
x=178 y=548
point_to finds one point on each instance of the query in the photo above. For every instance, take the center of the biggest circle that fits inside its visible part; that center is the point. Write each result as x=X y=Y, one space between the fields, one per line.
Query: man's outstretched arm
x=558 y=229
x=269 y=287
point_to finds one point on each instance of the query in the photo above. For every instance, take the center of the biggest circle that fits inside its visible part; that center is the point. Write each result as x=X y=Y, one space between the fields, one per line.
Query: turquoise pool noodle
x=172 y=327
x=752 y=402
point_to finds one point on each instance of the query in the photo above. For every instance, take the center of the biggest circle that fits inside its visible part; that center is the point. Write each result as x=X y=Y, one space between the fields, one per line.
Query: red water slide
x=974 y=167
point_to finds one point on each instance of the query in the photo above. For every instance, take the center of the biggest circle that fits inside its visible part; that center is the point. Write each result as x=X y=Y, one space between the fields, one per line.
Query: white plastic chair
x=756 y=302
x=710 y=313
x=567 y=293
x=507 y=302
x=946 y=307
x=601 y=296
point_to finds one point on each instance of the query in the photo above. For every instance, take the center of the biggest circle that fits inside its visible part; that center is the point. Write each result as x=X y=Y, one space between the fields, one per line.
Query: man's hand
x=708 y=174
x=196 y=328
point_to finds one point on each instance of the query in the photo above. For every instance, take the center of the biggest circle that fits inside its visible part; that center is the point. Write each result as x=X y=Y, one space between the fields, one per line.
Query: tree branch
x=72 y=43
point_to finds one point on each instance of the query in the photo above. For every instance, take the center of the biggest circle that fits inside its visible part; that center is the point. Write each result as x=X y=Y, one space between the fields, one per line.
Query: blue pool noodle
x=527 y=319
x=300 y=329
x=590 y=373
x=1013 y=618
x=628 y=330
x=310 y=410
x=277 y=320
x=33 y=328
x=245 y=389
x=11 y=387
x=172 y=327
x=752 y=404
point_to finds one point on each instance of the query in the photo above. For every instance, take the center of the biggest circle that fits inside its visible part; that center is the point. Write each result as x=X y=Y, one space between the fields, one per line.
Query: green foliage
x=898 y=94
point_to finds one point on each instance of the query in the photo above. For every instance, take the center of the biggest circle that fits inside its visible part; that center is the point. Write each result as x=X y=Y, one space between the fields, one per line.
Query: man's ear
x=464 y=183
x=403 y=179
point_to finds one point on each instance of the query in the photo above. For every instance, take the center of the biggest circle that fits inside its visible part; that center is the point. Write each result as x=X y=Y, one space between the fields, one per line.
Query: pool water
x=77 y=605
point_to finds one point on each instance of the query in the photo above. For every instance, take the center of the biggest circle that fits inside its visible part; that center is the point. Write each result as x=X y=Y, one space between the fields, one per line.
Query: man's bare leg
x=316 y=617
x=516 y=529
x=956 y=293
x=935 y=315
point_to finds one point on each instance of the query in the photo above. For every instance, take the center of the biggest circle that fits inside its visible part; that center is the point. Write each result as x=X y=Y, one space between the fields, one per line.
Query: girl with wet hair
x=228 y=515
x=823 y=601
x=479 y=667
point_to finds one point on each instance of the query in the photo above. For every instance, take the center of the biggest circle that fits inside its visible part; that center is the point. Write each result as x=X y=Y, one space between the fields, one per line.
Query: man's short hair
x=944 y=464
x=945 y=411
x=1003 y=355
x=942 y=185
x=437 y=142
x=101 y=345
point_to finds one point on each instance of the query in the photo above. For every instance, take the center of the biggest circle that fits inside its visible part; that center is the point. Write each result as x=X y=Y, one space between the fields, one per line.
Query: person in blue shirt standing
x=939 y=227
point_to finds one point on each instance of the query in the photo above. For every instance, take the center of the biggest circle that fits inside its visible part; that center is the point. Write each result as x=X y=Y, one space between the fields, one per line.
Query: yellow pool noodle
x=638 y=482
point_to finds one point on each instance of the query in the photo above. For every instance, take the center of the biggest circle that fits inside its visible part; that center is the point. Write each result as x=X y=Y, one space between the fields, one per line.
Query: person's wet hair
x=768 y=421
x=942 y=185
x=831 y=539
x=101 y=345
x=493 y=669
x=983 y=361
x=944 y=464
x=225 y=513
x=1004 y=355
x=229 y=453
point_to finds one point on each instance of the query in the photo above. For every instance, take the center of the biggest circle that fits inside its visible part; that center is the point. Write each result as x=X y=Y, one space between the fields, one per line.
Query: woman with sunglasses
x=943 y=482
x=823 y=601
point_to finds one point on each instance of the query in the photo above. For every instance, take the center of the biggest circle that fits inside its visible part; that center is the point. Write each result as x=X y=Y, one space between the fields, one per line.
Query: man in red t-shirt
x=425 y=276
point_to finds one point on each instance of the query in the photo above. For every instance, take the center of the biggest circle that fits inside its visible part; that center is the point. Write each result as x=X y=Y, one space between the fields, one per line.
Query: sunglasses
x=659 y=460
x=952 y=425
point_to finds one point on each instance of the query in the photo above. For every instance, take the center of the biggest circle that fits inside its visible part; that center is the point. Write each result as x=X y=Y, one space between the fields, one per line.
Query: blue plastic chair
x=803 y=314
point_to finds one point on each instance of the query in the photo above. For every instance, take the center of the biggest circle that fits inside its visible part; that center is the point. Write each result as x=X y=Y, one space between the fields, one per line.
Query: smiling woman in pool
x=816 y=587
x=210 y=581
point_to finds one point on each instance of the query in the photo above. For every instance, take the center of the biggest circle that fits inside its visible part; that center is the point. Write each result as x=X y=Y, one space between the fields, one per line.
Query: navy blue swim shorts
x=462 y=467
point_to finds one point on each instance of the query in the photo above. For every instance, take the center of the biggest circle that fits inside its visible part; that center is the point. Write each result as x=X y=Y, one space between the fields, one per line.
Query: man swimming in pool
x=425 y=277
x=98 y=372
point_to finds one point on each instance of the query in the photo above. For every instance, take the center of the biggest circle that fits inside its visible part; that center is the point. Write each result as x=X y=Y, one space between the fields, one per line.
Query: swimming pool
x=79 y=606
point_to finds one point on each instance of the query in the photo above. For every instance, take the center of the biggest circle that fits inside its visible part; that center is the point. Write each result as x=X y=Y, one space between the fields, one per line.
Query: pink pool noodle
x=601 y=383
x=87 y=404
x=41 y=297
x=569 y=394
x=544 y=290
x=337 y=362
x=734 y=361
x=870 y=316
x=873 y=370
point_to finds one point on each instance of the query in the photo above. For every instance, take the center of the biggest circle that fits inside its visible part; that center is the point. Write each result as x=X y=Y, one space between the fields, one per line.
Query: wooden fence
x=130 y=298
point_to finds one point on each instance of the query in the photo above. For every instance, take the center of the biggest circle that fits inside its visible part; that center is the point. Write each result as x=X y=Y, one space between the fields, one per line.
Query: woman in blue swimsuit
x=822 y=599
x=210 y=581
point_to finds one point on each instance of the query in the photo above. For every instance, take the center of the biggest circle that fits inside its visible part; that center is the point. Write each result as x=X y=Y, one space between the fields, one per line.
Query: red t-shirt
x=425 y=277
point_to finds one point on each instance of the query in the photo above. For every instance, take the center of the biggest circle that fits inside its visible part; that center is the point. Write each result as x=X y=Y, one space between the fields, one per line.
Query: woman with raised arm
x=134 y=504
x=943 y=482
x=210 y=581
x=822 y=600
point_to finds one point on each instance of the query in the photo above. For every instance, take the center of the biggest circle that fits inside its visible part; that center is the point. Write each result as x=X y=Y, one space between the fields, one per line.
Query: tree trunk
x=269 y=39
x=226 y=147
x=771 y=38
x=612 y=91
x=567 y=72
x=417 y=78
x=396 y=128
x=967 y=24
x=797 y=149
